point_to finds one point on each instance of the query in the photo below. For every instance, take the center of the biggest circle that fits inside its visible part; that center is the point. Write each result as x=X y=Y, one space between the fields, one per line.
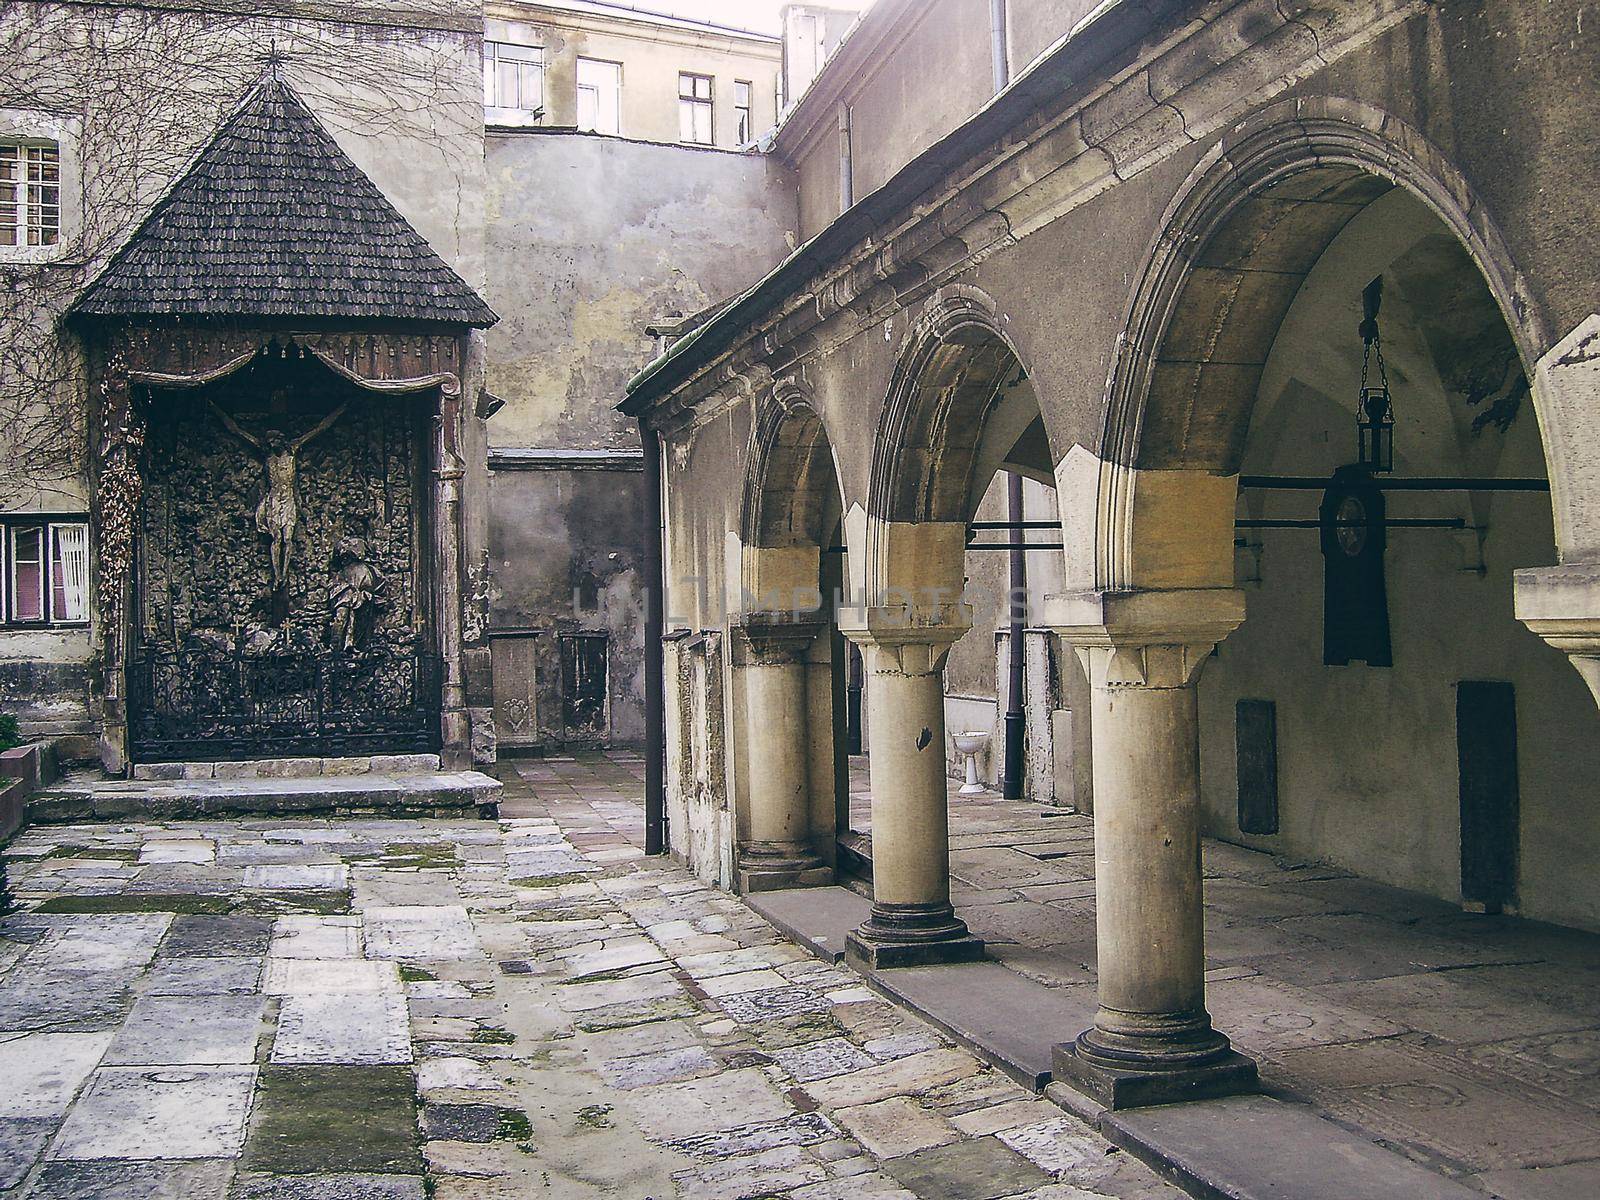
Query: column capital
x=911 y=641
x=1562 y=605
x=1146 y=639
x=763 y=638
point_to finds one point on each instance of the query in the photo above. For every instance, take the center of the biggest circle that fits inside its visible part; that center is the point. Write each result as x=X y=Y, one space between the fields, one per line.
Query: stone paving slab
x=159 y=1112
x=360 y=1028
x=1235 y=1149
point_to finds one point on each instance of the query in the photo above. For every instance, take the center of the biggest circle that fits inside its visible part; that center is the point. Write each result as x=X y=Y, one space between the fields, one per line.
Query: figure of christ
x=278 y=514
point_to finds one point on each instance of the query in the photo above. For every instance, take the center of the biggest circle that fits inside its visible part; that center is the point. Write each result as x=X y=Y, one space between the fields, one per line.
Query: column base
x=773 y=866
x=1130 y=1085
x=911 y=935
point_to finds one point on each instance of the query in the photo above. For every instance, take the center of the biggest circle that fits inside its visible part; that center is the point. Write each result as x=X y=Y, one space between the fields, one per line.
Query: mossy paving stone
x=195 y=936
x=195 y=1179
x=327 y=1187
x=977 y=1169
x=140 y=903
x=334 y=1119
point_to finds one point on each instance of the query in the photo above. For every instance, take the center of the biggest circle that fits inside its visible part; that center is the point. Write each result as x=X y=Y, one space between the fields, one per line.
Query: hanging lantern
x=1374 y=407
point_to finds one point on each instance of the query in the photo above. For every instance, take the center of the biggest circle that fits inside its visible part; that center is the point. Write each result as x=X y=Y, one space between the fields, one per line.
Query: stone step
x=424 y=794
x=291 y=768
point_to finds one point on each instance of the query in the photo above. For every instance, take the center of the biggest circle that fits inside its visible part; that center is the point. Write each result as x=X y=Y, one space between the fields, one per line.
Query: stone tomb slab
x=146 y=1113
x=370 y=1028
x=22 y=1140
x=216 y=937
x=199 y=1180
x=334 y=1119
x=1408 y=1095
x=417 y=932
x=701 y=1106
x=109 y=942
x=291 y=877
x=60 y=1000
x=977 y=1169
x=189 y=1031
x=327 y=1187
x=812 y=1061
x=302 y=936
x=204 y=977
x=289 y=976
x=43 y=1071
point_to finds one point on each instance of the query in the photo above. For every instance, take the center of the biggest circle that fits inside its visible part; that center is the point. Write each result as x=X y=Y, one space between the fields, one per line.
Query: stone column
x=912 y=921
x=771 y=651
x=449 y=471
x=1152 y=1041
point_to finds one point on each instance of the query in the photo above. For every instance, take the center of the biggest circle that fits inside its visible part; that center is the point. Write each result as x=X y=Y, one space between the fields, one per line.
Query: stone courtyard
x=384 y=1010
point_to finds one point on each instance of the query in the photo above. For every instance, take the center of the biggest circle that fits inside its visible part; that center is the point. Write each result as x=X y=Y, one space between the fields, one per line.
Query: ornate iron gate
x=217 y=704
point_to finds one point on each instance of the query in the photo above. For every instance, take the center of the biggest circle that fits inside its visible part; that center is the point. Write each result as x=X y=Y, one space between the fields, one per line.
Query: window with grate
x=695 y=109
x=30 y=194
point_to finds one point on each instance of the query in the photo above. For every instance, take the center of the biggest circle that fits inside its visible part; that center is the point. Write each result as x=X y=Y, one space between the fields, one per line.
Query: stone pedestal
x=912 y=921
x=777 y=853
x=1152 y=1041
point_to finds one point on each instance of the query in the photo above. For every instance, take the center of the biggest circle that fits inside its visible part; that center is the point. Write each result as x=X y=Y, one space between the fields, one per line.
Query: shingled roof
x=274 y=220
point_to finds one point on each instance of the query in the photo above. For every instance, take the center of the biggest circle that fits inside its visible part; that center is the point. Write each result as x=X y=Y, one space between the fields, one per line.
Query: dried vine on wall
x=147 y=88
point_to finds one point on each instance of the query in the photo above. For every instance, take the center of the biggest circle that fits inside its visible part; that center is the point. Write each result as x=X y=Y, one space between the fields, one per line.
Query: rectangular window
x=30 y=194
x=69 y=573
x=599 y=96
x=27 y=573
x=744 y=125
x=46 y=572
x=513 y=77
x=695 y=106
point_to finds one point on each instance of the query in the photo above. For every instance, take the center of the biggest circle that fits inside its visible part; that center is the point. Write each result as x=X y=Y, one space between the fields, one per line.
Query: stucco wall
x=590 y=240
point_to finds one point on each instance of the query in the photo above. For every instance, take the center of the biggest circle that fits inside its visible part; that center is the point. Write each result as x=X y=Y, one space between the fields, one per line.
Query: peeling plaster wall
x=590 y=240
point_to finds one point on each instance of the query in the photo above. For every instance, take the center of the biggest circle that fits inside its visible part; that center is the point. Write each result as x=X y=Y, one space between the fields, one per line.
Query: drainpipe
x=1000 y=52
x=1016 y=718
x=847 y=169
x=655 y=586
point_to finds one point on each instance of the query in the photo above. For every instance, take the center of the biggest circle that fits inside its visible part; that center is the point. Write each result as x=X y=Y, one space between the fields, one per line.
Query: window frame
x=33 y=214
x=525 y=55
x=744 y=115
x=691 y=103
x=578 y=80
x=47 y=525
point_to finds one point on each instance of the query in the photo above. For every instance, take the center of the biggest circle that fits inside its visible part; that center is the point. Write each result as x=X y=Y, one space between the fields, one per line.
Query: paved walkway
x=386 y=1010
x=1469 y=1043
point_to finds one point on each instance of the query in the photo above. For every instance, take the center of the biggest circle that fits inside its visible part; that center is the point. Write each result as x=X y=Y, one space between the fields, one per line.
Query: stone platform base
x=435 y=794
x=290 y=768
x=880 y=956
x=766 y=879
x=1232 y=1076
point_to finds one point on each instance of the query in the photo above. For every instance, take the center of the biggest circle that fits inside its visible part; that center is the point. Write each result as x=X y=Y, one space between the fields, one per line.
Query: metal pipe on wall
x=655 y=622
x=998 y=44
x=1016 y=716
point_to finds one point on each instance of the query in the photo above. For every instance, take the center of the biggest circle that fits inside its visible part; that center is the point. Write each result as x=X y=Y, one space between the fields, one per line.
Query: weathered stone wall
x=591 y=239
x=132 y=93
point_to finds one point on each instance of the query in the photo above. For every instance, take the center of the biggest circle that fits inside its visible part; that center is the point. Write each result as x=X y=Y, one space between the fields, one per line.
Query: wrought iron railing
x=206 y=704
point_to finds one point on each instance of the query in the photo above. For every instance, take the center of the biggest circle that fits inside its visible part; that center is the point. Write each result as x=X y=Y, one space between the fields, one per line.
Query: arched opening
x=1379 y=713
x=792 y=662
x=943 y=612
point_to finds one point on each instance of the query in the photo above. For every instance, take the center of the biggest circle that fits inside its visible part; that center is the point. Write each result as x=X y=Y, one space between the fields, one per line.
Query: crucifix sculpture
x=278 y=514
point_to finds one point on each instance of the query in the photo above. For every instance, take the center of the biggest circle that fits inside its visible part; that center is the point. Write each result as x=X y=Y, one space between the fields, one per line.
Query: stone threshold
x=443 y=794
x=1241 y=1148
x=289 y=768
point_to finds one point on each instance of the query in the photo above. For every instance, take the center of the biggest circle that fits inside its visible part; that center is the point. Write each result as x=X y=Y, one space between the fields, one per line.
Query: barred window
x=30 y=194
x=741 y=112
